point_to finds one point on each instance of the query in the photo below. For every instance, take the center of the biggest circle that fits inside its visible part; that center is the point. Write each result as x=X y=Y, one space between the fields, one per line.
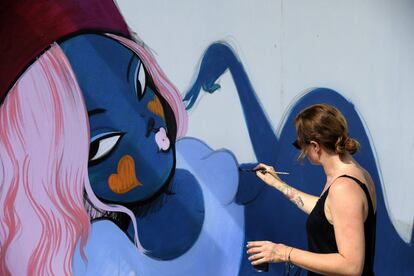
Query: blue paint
x=115 y=256
x=218 y=249
x=187 y=229
x=173 y=223
x=216 y=60
x=101 y=67
x=268 y=215
x=107 y=73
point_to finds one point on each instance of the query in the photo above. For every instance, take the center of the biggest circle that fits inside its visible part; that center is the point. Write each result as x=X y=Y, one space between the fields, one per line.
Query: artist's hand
x=267 y=174
x=266 y=252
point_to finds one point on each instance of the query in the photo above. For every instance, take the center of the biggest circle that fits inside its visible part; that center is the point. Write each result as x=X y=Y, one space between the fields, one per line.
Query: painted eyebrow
x=96 y=111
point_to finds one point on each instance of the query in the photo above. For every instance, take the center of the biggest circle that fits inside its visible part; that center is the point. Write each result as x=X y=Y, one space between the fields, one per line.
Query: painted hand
x=266 y=252
x=216 y=60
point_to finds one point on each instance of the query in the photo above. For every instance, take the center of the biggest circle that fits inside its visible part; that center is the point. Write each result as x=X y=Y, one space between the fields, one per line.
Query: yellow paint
x=125 y=179
x=155 y=107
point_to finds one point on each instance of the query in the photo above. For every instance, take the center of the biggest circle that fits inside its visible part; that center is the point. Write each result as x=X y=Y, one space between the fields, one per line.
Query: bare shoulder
x=345 y=189
x=360 y=173
x=365 y=177
x=346 y=200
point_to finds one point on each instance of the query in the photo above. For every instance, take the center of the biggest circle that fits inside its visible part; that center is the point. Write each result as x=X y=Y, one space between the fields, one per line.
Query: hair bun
x=346 y=144
x=351 y=145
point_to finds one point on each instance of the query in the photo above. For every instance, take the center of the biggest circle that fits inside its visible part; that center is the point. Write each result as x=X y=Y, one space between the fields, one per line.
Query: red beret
x=28 y=27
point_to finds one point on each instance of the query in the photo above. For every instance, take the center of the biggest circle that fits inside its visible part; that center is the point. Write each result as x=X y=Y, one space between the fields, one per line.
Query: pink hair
x=44 y=144
x=165 y=87
x=44 y=147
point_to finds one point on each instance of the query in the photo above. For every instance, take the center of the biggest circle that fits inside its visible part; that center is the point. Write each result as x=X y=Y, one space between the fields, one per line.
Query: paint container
x=262 y=267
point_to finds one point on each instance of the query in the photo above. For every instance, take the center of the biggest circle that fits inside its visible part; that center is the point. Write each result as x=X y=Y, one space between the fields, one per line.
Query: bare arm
x=348 y=215
x=302 y=200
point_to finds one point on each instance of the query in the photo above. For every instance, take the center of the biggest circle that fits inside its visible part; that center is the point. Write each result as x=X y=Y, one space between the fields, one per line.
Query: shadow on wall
x=284 y=223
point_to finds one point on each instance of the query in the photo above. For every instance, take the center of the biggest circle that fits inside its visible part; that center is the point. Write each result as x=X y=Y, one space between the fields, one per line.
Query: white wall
x=362 y=49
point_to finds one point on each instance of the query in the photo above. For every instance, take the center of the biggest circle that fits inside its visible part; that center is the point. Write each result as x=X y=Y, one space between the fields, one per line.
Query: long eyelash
x=140 y=85
x=106 y=135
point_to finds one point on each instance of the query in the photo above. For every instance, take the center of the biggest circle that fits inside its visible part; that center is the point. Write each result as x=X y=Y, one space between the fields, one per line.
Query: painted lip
x=152 y=129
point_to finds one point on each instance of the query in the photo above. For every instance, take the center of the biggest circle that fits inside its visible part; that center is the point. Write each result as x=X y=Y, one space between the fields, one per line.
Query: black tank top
x=321 y=235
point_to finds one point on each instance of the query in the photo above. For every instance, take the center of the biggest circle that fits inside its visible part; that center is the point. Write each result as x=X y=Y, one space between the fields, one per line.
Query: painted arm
x=303 y=201
x=348 y=215
x=217 y=59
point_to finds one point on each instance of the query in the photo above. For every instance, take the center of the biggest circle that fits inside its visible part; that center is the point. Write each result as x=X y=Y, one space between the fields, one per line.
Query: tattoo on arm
x=292 y=195
x=299 y=202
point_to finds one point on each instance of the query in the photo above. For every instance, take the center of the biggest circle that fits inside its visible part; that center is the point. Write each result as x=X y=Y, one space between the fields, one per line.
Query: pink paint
x=162 y=140
x=44 y=144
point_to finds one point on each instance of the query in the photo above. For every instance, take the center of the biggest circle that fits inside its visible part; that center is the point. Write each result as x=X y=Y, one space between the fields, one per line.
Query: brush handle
x=261 y=170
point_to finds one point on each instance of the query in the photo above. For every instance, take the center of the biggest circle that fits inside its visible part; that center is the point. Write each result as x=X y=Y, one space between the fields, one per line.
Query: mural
x=285 y=224
x=99 y=178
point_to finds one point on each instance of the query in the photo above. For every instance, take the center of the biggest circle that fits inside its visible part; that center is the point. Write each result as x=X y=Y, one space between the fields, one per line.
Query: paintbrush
x=260 y=169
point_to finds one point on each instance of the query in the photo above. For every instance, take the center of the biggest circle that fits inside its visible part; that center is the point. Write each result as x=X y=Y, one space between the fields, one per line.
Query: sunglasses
x=297 y=145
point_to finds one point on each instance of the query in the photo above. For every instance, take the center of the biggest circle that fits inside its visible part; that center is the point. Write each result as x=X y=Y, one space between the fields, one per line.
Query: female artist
x=341 y=222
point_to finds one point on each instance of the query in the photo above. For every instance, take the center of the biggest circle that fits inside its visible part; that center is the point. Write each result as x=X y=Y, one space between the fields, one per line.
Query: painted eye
x=102 y=144
x=141 y=80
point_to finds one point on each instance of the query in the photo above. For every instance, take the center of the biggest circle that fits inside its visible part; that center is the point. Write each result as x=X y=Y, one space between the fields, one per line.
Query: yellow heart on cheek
x=125 y=179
